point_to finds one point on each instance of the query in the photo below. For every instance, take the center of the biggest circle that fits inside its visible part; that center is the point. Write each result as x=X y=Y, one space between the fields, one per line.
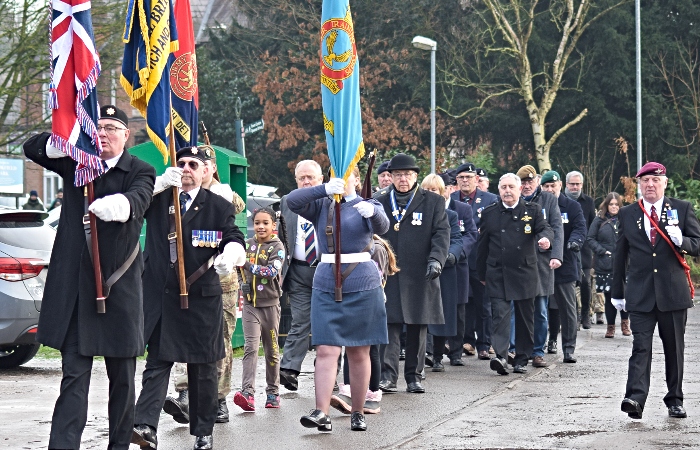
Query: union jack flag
x=75 y=67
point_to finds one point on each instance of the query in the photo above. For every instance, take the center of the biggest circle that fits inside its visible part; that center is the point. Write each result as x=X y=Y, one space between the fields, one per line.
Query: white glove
x=112 y=208
x=233 y=255
x=52 y=152
x=171 y=177
x=223 y=190
x=366 y=209
x=335 y=186
x=675 y=234
x=618 y=303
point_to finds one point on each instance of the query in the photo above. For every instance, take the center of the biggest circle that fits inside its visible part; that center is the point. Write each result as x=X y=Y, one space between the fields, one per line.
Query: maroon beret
x=651 y=168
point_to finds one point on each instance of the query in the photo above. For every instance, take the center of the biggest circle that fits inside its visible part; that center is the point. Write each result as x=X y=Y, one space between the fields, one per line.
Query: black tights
x=376 y=368
x=611 y=311
x=554 y=323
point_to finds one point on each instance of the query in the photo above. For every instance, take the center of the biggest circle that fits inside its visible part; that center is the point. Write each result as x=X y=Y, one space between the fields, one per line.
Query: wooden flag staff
x=184 y=301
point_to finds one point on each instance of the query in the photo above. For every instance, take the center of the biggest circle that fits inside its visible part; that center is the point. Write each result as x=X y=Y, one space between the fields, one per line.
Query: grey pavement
x=565 y=406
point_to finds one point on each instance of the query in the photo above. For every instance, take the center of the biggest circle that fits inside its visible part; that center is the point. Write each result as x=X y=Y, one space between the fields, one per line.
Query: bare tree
x=501 y=39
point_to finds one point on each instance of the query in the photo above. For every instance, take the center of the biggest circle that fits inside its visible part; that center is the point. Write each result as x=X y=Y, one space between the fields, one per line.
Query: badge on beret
x=111 y=111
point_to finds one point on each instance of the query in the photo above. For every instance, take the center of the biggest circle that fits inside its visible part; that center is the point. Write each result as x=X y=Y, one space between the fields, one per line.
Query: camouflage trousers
x=229 y=284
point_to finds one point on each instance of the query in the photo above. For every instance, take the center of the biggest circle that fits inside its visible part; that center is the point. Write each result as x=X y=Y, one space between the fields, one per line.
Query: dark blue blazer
x=481 y=201
x=469 y=236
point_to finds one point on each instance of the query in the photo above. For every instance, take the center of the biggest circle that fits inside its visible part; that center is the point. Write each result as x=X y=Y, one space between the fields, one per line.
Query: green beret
x=550 y=176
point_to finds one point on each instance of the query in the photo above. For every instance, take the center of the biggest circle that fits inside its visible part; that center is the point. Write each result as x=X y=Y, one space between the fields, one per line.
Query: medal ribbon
x=395 y=211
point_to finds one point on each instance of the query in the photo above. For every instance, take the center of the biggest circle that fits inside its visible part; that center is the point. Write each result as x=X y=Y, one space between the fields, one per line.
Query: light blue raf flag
x=340 y=88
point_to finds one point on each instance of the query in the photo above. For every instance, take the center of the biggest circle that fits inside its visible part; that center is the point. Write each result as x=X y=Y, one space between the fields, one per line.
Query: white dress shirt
x=193 y=193
x=300 y=243
x=647 y=224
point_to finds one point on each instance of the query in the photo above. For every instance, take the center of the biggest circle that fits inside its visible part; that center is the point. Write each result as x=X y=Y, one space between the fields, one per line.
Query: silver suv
x=25 y=250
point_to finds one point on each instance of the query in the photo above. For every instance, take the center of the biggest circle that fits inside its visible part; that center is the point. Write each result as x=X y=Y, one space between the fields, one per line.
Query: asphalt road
x=563 y=406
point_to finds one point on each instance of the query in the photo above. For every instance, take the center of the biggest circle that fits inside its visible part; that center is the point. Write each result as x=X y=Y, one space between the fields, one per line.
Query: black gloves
x=574 y=246
x=245 y=288
x=434 y=270
x=451 y=260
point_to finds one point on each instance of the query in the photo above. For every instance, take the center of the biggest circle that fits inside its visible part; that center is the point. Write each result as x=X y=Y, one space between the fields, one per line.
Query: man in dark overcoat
x=547 y=260
x=562 y=304
x=477 y=332
x=193 y=335
x=649 y=282
x=69 y=320
x=510 y=234
x=420 y=236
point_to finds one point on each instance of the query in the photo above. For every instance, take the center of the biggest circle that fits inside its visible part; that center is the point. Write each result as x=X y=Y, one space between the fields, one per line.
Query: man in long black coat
x=420 y=236
x=509 y=236
x=656 y=289
x=69 y=320
x=193 y=335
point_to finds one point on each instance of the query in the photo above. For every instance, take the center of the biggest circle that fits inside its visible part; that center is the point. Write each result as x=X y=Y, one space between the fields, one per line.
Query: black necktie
x=184 y=196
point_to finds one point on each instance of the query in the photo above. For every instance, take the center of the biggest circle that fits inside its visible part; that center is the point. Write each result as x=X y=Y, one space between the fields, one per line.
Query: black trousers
x=524 y=325
x=611 y=311
x=586 y=292
x=415 y=352
x=203 y=394
x=455 y=342
x=70 y=412
x=672 y=332
x=478 y=317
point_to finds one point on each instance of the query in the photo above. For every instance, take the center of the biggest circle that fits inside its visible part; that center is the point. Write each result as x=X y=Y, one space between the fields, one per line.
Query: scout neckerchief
x=680 y=257
x=396 y=211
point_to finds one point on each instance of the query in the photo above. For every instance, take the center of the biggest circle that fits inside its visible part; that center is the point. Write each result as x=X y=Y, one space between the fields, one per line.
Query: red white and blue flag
x=75 y=67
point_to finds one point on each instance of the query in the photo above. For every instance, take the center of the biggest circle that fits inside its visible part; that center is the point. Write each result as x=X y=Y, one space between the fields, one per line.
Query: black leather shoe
x=318 y=419
x=632 y=408
x=402 y=354
x=499 y=365
x=388 y=387
x=415 y=388
x=144 y=436
x=677 y=411
x=357 y=422
x=569 y=358
x=438 y=367
x=519 y=369
x=456 y=362
x=179 y=407
x=552 y=347
x=289 y=379
x=429 y=360
x=204 y=442
x=222 y=412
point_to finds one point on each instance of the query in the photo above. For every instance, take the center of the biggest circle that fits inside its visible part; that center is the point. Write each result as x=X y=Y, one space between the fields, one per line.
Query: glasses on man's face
x=574 y=184
x=303 y=178
x=402 y=174
x=194 y=165
x=109 y=129
x=465 y=177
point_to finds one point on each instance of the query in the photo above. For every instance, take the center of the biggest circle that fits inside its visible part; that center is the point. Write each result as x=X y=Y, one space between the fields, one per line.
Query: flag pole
x=184 y=301
x=97 y=267
x=367 y=184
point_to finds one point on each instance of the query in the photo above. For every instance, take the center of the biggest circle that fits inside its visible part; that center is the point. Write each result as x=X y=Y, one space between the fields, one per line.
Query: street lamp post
x=424 y=43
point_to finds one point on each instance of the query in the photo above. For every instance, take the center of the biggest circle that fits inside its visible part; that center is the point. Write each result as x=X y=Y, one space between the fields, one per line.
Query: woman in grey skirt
x=359 y=320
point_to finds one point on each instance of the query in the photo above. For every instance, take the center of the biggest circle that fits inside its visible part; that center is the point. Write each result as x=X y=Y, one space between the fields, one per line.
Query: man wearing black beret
x=213 y=244
x=69 y=320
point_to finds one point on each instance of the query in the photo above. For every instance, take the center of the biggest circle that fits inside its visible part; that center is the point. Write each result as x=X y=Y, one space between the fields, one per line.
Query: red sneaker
x=245 y=400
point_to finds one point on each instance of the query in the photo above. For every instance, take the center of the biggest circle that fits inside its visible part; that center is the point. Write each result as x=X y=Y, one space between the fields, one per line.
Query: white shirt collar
x=657 y=205
x=510 y=207
x=447 y=203
x=111 y=162
x=351 y=197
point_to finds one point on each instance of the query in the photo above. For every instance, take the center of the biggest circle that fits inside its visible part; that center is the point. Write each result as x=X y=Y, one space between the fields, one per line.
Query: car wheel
x=16 y=356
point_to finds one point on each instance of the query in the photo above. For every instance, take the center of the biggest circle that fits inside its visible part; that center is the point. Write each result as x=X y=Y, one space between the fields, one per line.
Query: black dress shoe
x=632 y=408
x=429 y=360
x=519 y=369
x=677 y=411
x=499 y=365
x=569 y=358
x=388 y=386
x=438 y=367
x=179 y=407
x=357 y=422
x=317 y=419
x=415 y=388
x=288 y=378
x=402 y=354
x=552 y=347
x=484 y=354
x=456 y=362
x=222 y=412
x=204 y=442
x=144 y=436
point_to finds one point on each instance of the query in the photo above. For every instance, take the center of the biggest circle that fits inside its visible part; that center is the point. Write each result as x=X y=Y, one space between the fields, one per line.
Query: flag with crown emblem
x=150 y=36
x=340 y=88
x=75 y=67
x=183 y=79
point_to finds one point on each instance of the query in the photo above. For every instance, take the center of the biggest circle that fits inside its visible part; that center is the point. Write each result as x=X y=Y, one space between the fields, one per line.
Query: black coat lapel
x=196 y=206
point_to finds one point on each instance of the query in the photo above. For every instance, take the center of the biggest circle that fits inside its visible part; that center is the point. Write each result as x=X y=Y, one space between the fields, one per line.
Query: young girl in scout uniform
x=261 y=309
